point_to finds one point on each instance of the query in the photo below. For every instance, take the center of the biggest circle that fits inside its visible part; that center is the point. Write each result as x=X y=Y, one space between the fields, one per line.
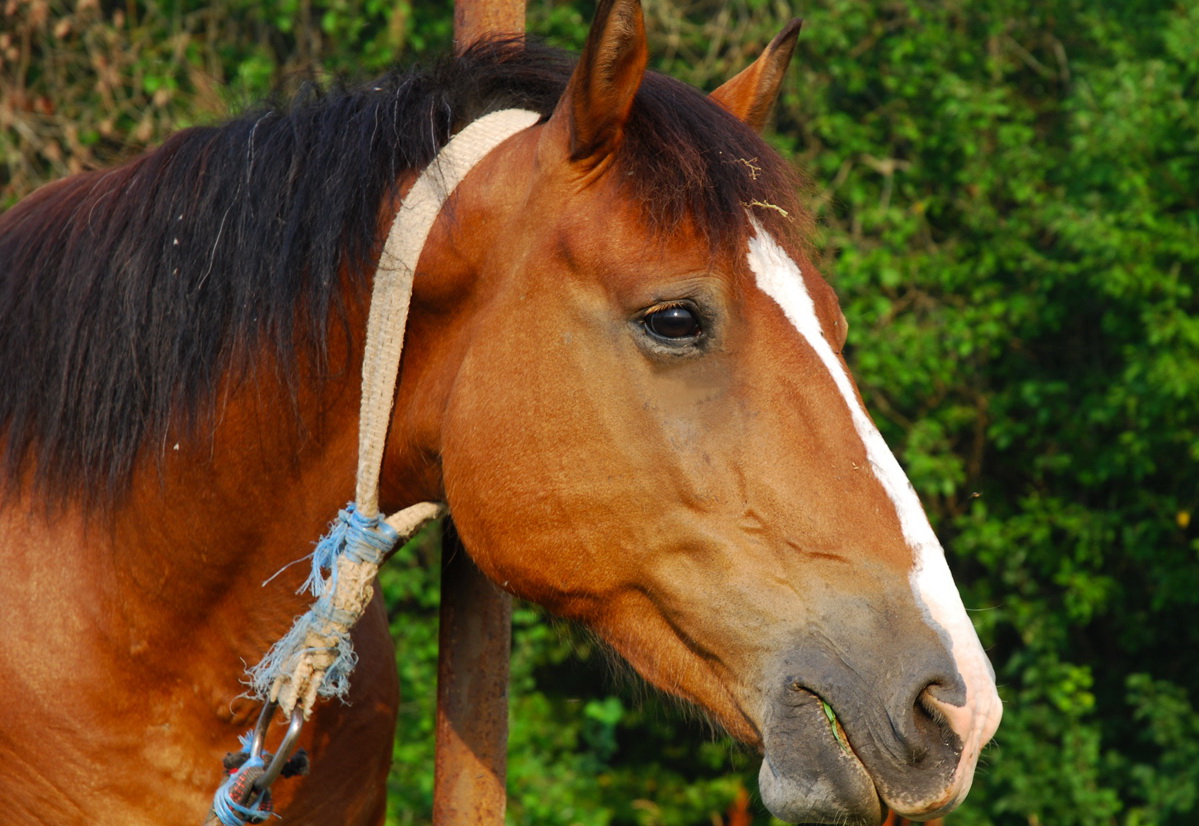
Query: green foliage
x=86 y=84
x=1009 y=211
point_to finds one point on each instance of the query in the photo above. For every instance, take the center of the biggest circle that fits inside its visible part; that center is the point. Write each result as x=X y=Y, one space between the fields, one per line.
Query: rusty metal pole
x=471 y=762
x=475 y=18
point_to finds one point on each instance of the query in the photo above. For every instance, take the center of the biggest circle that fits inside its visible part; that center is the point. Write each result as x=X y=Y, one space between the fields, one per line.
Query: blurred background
x=1008 y=204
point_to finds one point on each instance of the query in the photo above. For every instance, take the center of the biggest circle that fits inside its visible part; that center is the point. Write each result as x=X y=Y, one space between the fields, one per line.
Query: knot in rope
x=315 y=658
x=351 y=536
x=232 y=806
x=229 y=803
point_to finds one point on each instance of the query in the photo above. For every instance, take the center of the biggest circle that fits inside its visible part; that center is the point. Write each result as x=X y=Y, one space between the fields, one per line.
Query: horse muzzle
x=845 y=741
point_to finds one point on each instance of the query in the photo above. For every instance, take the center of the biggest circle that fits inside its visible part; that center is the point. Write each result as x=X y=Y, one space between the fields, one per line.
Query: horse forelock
x=128 y=296
x=685 y=159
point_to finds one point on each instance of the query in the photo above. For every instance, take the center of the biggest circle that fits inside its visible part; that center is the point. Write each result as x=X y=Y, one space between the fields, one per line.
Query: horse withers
x=622 y=372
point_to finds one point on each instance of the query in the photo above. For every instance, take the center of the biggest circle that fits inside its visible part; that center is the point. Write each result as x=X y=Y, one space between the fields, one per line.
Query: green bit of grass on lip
x=832 y=722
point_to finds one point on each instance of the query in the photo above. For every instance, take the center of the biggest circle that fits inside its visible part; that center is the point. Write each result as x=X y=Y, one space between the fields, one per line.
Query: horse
x=622 y=372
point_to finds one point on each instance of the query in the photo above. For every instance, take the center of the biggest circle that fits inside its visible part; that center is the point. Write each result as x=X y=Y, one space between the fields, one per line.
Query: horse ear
x=751 y=93
x=593 y=110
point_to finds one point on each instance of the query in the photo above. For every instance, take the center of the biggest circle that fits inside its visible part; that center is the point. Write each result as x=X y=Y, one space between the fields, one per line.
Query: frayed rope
x=353 y=536
x=324 y=630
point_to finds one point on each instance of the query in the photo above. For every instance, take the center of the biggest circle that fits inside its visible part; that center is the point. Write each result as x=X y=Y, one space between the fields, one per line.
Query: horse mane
x=127 y=295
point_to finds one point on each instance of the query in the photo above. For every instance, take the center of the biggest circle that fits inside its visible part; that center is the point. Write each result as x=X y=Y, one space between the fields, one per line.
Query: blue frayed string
x=359 y=539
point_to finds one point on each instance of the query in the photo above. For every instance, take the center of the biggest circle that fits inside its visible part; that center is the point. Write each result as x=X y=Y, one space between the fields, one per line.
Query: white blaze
x=779 y=277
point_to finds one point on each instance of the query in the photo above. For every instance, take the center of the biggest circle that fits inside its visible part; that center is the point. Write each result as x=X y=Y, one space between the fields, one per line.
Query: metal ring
x=260 y=729
x=283 y=753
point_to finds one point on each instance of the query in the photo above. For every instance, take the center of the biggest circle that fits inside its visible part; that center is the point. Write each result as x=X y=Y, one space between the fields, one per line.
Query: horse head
x=624 y=375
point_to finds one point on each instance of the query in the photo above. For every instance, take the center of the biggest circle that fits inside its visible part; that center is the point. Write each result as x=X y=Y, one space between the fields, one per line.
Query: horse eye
x=673 y=323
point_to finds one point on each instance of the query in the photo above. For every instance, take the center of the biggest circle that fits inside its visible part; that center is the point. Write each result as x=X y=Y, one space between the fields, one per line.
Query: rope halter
x=316 y=657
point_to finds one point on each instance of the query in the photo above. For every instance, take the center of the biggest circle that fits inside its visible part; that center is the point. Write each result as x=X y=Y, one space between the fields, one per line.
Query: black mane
x=127 y=295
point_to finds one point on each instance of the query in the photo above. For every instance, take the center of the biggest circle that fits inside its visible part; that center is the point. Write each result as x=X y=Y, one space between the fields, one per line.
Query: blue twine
x=359 y=539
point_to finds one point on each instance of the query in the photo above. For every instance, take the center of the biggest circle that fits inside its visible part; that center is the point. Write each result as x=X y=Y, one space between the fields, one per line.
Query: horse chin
x=810 y=776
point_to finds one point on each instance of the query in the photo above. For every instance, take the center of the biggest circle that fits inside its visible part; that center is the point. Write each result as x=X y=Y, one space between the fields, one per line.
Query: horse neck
x=229 y=509
x=165 y=588
x=213 y=514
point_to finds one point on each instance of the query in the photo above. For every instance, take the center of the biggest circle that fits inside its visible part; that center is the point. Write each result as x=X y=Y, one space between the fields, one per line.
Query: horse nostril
x=922 y=727
x=927 y=705
x=933 y=717
x=942 y=692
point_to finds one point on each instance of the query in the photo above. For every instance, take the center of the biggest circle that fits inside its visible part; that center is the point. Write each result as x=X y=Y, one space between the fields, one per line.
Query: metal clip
x=273 y=769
